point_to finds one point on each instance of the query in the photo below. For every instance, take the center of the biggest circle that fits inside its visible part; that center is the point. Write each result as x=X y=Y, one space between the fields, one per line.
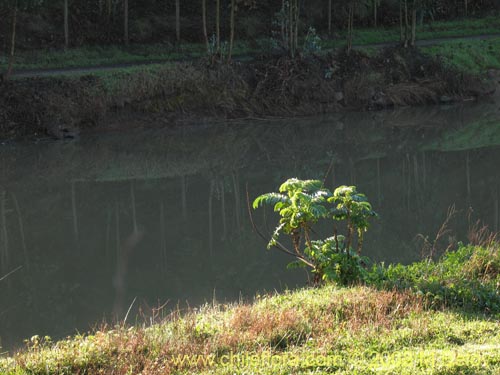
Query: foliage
x=312 y=42
x=301 y=204
x=468 y=278
x=214 y=50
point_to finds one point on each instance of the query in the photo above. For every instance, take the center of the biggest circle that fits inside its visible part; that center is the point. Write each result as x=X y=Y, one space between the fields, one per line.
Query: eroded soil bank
x=62 y=107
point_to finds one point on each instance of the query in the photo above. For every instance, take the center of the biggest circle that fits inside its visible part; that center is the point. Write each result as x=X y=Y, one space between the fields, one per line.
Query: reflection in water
x=160 y=215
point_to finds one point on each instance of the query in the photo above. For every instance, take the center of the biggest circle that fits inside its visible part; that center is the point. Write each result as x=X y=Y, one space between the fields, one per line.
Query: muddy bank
x=61 y=107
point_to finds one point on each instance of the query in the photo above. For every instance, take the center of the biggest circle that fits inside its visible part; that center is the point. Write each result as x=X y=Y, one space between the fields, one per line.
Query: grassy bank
x=405 y=323
x=474 y=56
x=56 y=106
x=145 y=53
x=426 y=31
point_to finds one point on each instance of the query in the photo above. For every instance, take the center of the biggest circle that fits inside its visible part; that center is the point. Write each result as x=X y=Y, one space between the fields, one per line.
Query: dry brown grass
x=407 y=93
x=381 y=310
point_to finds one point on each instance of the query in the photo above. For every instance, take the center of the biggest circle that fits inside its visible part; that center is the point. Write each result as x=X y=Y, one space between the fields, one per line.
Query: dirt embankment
x=269 y=87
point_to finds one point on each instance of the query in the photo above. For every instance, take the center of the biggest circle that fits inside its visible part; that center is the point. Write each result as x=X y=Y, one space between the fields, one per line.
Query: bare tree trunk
x=290 y=22
x=283 y=21
x=466 y=3
x=66 y=24
x=401 y=38
x=330 y=17
x=109 y=8
x=108 y=18
x=178 y=21
x=125 y=21
x=297 y=17
x=375 y=12
x=293 y=16
x=12 y=43
x=407 y=25
x=217 y=25
x=204 y=20
x=232 y=27
x=350 y=25
x=413 y=25
x=108 y=11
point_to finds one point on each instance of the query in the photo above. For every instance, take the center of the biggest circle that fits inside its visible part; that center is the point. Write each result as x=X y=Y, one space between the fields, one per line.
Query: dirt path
x=104 y=68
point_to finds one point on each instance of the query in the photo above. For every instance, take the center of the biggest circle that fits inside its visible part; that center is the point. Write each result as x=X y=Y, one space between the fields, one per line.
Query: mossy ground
x=355 y=330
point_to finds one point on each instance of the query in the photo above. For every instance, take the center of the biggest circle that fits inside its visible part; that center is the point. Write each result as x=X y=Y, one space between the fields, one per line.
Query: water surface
x=160 y=215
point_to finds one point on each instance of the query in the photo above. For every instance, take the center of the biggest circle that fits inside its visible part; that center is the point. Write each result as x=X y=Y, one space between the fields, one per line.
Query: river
x=149 y=218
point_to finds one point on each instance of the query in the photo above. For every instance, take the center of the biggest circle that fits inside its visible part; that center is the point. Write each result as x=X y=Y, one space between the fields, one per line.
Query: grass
x=93 y=56
x=473 y=56
x=433 y=30
x=355 y=330
x=138 y=53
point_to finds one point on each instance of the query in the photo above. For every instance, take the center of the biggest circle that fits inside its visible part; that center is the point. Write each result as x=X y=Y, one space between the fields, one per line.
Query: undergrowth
x=468 y=278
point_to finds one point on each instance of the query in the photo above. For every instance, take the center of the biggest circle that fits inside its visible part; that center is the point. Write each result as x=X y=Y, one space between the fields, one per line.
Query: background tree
x=177 y=21
x=350 y=24
x=125 y=21
x=232 y=29
x=54 y=24
x=235 y=5
x=408 y=21
x=330 y=5
x=289 y=18
x=375 y=5
x=217 y=26
x=66 y=24
x=204 y=23
x=14 y=6
x=12 y=40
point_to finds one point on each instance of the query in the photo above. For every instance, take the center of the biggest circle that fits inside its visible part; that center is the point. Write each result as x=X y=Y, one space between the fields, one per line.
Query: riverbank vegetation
x=295 y=63
x=430 y=317
x=278 y=86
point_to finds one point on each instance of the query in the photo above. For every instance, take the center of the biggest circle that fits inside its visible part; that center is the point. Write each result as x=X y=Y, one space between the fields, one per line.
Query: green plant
x=312 y=42
x=468 y=278
x=301 y=204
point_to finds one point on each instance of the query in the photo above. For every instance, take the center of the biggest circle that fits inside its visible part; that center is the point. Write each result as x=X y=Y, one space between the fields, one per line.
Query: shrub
x=301 y=204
